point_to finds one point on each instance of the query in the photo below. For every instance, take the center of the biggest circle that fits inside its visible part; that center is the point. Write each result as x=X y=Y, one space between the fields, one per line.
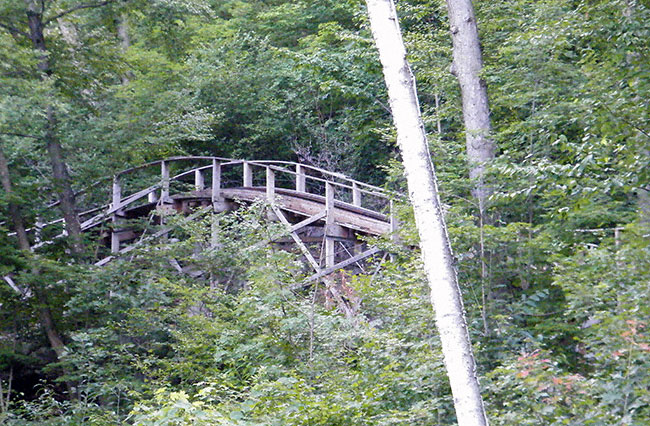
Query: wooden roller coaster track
x=326 y=215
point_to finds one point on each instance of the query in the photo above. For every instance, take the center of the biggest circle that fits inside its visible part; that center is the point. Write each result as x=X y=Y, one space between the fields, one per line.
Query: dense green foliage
x=559 y=323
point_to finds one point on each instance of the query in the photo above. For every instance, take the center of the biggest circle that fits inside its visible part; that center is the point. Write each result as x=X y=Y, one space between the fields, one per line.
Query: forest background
x=555 y=286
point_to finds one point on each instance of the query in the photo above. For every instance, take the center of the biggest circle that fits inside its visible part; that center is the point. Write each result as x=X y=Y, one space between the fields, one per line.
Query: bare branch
x=78 y=7
x=13 y=30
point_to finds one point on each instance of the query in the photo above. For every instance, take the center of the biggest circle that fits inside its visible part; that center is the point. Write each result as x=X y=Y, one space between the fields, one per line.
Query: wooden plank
x=291 y=201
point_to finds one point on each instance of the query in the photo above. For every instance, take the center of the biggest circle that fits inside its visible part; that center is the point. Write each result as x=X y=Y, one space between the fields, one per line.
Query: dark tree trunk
x=59 y=168
x=45 y=315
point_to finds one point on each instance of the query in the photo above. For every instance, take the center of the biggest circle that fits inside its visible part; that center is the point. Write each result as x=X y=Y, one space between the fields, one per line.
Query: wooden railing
x=220 y=173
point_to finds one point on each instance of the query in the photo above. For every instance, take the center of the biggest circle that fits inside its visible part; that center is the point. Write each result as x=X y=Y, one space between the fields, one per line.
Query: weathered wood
x=301 y=185
x=248 y=175
x=216 y=181
x=294 y=228
x=199 y=182
x=358 y=219
x=325 y=216
x=116 y=201
x=359 y=257
x=270 y=184
x=158 y=234
x=330 y=255
x=303 y=248
x=356 y=195
x=164 y=179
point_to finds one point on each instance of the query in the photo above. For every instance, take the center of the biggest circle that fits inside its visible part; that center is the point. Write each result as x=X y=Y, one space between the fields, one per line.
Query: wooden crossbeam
x=340 y=265
x=293 y=228
x=303 y=248
x=160 y=232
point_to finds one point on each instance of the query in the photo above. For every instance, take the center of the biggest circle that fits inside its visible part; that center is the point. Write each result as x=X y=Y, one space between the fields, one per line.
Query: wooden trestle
x=316 y=206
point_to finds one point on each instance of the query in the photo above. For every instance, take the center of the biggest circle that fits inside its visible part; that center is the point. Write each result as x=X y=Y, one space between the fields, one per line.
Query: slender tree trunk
x=54 y=149
x=45 y=315
x=423 y=191
x=125 y=41
x=467 y=65
x=14 y=210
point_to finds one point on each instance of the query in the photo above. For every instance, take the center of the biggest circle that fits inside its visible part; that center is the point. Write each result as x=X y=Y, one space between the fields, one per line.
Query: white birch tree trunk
x=423 y=192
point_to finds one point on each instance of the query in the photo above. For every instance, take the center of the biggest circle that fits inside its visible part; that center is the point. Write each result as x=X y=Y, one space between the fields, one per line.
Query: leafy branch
x=78 y=7
x=13 y=30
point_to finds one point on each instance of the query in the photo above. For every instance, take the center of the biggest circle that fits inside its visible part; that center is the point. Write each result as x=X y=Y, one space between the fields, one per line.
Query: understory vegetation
x=184 y=332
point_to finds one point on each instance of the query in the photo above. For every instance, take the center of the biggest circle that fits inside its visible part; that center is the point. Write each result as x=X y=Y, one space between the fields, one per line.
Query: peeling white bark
x=423 y=192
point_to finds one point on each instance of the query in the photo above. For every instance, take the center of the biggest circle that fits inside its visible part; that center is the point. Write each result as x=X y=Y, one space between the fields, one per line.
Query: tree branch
x=13 y=30
x=78 y=7
x=20 y=135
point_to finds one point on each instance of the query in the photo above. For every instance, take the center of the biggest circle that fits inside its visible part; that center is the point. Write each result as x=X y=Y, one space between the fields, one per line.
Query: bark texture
x=434 y=242
x=45 y=315
x=54 y=149
x=467 y=65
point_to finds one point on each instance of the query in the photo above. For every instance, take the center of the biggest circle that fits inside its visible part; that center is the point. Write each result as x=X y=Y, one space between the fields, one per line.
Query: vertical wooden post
x=393 y=221
x=356 y=201
x=356 y=194
x=216 y=198
x=393 y=227
x=270 y=184
x=248 y=175
x=164 y=175
x=199 y=182
x=329 y=221
x=300 y=179
x=216 y=181
x=117 y=198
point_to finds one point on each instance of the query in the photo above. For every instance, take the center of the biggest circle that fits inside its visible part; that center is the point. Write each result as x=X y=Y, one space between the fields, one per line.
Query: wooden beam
x=339 y=265
x=303 y=248
x=292 y=229
x=160 y=233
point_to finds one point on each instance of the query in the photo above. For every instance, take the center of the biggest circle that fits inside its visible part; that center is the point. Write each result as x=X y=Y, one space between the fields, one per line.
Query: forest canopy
x=554 y=268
